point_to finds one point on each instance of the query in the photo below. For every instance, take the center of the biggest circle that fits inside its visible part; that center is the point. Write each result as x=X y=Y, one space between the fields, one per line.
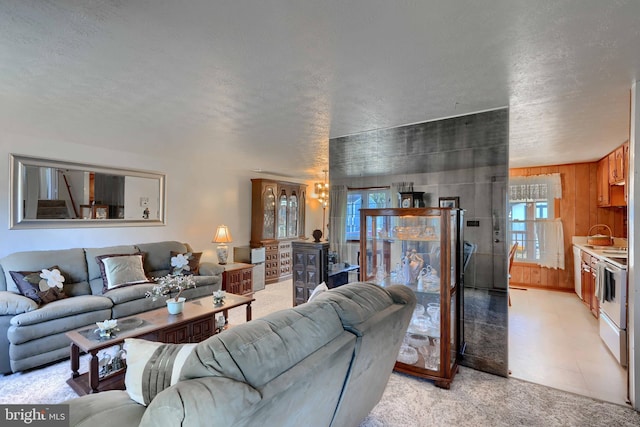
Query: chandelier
x=322 y=191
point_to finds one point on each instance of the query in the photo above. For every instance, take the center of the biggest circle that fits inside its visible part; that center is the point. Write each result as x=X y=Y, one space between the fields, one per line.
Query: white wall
x=202 y=193
x=136 y=188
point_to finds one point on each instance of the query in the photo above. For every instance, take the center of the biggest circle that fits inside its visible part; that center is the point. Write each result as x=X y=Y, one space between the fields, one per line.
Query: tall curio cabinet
x=277 y=218
x=420 y=248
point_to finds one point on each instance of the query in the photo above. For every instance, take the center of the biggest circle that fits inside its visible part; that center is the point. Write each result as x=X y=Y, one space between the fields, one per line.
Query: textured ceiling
x=276 y=79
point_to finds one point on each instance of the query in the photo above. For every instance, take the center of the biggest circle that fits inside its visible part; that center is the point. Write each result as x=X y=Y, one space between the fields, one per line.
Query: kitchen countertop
x=612 y=254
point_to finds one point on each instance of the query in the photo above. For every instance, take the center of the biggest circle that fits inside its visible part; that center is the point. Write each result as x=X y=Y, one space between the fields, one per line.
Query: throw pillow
x=152 y=367
x=42 y=286
x=322 y=287
x=121 y=270
x=185 y=263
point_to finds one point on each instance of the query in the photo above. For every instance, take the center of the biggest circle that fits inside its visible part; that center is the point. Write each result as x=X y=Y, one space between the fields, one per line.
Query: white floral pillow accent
x=185 y=263
x=52 y=279
x=42 y=286
x=180 y=263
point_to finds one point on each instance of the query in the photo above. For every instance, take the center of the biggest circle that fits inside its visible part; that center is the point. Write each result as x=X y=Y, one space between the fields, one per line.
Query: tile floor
x=554 y=341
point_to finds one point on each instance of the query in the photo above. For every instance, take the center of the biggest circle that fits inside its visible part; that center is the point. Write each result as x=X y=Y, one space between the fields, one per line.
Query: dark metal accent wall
x=451 y=144
x=464 y=156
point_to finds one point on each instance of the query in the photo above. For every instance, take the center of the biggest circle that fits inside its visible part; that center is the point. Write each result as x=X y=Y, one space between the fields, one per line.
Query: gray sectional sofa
x=31 y=336
x=323 y=363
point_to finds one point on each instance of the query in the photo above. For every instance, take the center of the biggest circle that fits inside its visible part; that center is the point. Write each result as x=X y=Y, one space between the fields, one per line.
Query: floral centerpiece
x=171 y=283
x=218 y=297
x=107 y=328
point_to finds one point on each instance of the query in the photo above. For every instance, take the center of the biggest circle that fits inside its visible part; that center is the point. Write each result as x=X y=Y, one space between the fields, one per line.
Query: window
x=358 y=199
x=531 y=219
x=523 y=216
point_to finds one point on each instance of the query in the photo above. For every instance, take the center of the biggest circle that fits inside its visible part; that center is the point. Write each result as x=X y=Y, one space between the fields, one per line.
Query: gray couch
x=322 y=363
x=31 y=336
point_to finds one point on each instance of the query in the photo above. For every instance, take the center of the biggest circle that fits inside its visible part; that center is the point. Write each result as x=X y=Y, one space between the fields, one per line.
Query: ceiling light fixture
x=322 y=191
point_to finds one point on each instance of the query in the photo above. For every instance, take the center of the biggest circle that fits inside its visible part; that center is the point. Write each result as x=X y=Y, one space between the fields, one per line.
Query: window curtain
x=551 y=240
x=337 y=220
x=535 y=187
x=395 y=195
x=549 y=232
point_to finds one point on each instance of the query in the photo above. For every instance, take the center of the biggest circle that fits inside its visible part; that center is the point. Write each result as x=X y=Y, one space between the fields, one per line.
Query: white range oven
x=611 y=289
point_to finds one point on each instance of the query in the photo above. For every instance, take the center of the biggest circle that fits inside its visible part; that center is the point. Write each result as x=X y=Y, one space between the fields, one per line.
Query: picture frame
x=86 y=212
x=101 y=211
x=449 y=202
x=94 y=211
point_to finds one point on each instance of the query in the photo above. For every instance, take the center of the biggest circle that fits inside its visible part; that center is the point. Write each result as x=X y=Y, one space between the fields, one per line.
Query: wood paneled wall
x=579 y=211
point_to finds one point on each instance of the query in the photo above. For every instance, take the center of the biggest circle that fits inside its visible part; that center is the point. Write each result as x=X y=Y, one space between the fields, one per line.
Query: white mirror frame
x=17 y=219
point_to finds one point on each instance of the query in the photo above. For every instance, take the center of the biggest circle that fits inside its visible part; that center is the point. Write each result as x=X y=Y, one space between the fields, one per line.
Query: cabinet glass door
x=282 y=215
x=419 y=248
x=269 y=214
x=302 y=213
x=293 y=215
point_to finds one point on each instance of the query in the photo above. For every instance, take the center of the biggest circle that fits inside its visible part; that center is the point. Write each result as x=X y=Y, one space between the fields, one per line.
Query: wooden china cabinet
x=277 y=218
x=420 y=248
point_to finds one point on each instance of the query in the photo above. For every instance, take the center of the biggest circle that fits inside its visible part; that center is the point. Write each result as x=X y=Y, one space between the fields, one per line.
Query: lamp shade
x=223 y=235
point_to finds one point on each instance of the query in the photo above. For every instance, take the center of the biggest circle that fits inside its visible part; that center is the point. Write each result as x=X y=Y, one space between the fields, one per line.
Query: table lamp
x=222 y=237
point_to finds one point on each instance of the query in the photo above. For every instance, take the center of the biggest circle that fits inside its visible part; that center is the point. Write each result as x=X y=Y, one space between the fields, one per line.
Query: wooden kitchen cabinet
x=611 y=178
x=595 y=304
x=603 y=182
x=588 y=271
x=237 y=278
x=617 y=166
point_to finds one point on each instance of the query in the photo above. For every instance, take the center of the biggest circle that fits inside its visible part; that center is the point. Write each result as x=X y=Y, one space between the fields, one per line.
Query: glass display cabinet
x=420 y=248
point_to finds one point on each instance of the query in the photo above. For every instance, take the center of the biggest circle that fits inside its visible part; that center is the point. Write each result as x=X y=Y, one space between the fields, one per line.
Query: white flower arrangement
x=180 y=263
x=218 y=297
x=171 y=283
x=53 y=279
x=107 y=327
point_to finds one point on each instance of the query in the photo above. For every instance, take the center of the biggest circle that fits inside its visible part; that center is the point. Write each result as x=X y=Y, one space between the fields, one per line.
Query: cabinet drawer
x=178 y=335
x=202 y=330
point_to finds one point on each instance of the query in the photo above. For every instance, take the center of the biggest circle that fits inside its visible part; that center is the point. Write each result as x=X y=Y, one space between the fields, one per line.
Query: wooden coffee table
x=196 y=323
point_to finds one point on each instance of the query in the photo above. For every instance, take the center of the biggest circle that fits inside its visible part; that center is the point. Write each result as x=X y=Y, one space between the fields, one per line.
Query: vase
x=106 y=333
x=175 y=307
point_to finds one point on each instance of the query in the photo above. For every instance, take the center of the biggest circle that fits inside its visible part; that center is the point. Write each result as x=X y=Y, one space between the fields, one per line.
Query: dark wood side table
x=237 y=278
x=340 y=276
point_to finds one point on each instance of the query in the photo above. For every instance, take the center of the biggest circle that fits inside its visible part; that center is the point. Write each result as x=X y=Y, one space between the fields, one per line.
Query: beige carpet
x=475 y=398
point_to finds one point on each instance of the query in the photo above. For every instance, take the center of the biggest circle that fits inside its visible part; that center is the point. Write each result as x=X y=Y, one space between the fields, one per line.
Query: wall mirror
x=49 y=193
